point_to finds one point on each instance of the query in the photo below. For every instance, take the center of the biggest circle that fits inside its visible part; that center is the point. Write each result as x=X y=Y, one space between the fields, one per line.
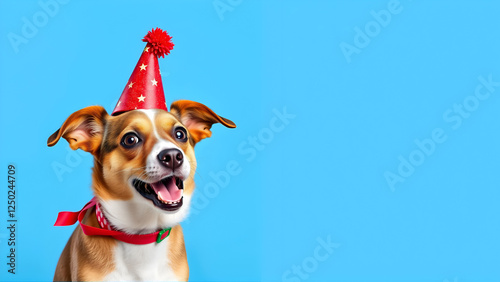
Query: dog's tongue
x=169 y=192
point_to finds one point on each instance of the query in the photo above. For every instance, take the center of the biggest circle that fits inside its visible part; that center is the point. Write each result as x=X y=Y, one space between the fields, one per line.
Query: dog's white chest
x=141 y=263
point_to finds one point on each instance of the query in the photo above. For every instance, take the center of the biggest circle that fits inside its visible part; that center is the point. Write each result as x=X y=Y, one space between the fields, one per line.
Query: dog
x=143 y=181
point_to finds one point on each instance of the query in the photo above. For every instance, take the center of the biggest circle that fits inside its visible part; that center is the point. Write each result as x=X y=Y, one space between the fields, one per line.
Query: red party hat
x=144 y=89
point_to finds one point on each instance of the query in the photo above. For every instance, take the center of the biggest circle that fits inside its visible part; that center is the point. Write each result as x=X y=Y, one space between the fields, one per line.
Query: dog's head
x=144 y=164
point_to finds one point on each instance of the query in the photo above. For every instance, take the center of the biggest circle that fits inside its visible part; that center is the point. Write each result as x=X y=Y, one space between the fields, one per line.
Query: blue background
x=319 y=177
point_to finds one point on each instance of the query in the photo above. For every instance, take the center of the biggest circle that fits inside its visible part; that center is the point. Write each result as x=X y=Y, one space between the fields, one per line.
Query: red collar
x=103 y=222
x=70 y=218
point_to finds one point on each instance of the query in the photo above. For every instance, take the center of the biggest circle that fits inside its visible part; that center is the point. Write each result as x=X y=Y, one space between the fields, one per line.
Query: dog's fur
x=115 y=166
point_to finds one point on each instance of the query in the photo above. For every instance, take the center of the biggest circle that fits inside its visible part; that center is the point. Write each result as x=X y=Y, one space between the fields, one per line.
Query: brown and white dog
x=143 y=179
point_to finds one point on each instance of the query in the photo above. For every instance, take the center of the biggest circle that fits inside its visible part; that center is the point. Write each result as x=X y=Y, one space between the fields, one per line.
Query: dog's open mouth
x=166 y=194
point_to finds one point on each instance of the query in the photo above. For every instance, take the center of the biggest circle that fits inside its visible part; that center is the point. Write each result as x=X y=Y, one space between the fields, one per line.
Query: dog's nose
x=171 y=158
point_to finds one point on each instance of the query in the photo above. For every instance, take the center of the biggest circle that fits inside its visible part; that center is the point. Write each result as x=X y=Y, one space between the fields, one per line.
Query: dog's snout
x=171 y=158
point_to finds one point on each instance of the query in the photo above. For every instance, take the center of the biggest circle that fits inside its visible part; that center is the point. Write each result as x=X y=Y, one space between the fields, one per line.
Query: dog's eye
x=130 y=139
x=180 y=134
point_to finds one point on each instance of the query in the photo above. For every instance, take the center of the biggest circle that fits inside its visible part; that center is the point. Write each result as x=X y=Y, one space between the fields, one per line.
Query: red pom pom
x=160 y=42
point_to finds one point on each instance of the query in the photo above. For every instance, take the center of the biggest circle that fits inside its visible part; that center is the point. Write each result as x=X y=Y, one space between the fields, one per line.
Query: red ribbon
x=70 y=218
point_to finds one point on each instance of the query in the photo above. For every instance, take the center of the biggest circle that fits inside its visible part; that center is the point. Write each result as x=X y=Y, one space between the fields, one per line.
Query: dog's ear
x=198 y=118
x=82 y=129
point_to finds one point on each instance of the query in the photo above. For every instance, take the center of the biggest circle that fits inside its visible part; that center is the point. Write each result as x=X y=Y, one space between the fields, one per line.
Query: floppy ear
x=82 y=129
x=198 y=118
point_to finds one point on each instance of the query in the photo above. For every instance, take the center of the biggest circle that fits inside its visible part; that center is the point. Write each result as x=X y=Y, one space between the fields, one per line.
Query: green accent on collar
x=159 y=238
